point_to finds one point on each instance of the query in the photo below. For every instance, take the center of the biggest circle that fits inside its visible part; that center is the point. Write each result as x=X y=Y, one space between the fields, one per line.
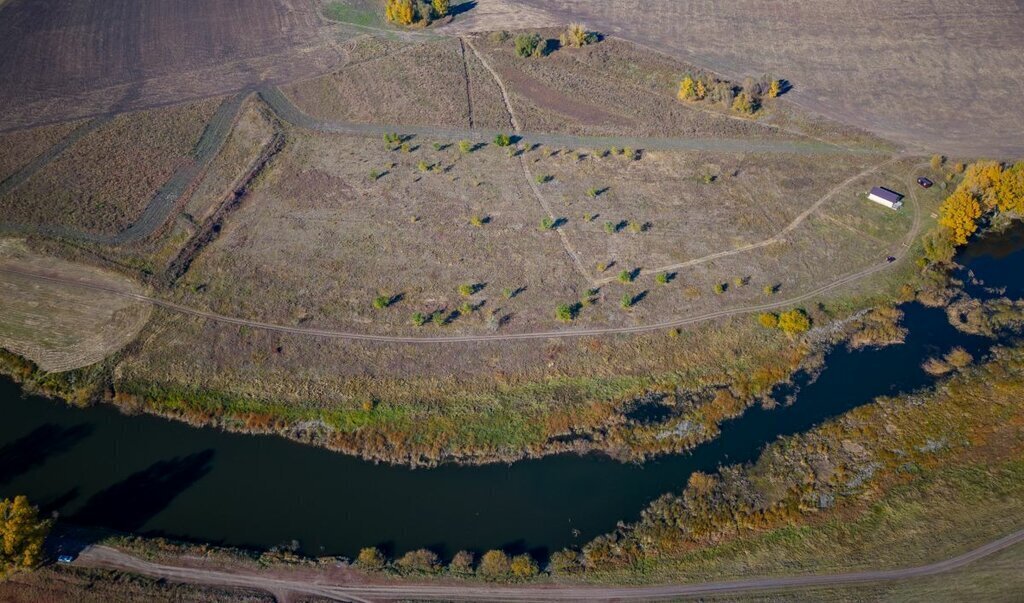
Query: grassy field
x=22 y=146
x=101 y=182
x=61 y=327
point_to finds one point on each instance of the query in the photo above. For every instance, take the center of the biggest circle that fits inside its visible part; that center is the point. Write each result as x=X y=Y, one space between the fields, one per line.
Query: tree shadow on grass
x=461 y=7
x=34 y=449
x=129 y=504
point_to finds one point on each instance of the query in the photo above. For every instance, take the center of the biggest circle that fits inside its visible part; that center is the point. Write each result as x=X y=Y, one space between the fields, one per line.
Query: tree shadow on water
x=34 y=449
x=129 y=504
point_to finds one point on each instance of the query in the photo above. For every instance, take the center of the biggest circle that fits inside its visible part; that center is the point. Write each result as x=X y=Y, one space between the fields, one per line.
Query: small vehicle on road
x=924 y=182
x=65 y=559
x=890 y=259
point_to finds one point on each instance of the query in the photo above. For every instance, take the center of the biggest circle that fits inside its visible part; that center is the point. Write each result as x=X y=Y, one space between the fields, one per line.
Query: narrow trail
x=28 y=170
x=531 y=181
x=162 y=203
x=103 y=557
x=465 y=75
x=290 y=113
x=779 y=237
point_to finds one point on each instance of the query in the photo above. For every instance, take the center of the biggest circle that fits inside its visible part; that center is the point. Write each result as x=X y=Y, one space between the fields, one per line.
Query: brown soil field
x=60 y=327
x=102 y=182
x=943 y=75
x=67 y=59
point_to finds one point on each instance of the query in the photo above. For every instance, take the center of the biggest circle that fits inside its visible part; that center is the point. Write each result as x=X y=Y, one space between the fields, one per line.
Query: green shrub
x=528 y=45
x=381 y=301
x=565 y=312
x=626 y=276
x=502 y=140
x=465 y=146
x=720 y=288
x=547 y=223
x=626 y=301
x=661 y=278
x=419 y=319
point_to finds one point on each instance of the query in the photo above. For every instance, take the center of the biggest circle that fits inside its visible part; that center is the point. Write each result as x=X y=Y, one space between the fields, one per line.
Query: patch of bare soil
x=547 y=98
x=61 y=327
x=67 y=59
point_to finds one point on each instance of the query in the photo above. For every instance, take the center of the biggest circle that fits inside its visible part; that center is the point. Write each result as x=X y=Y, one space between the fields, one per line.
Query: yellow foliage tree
x=1010 y=190
x=402 y=12
x=686 y=89
x=700 y=90
x=981 y=178
x=22 y=533
x=794 y=322
x=768 y=320
x=774 y=89
x=524 y=567
x=440 y=7
x=577 y=36
x=494 y=565
x=959 y=214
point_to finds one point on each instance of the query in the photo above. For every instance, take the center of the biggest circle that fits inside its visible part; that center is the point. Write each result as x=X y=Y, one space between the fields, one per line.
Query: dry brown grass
x=60 y=327
x=101 y=182
x=22 y=146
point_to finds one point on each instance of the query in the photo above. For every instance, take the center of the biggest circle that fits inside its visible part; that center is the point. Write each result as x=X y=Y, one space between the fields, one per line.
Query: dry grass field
x=102 y=182
x=22 y=146
x=943 y=75
x=61 y=327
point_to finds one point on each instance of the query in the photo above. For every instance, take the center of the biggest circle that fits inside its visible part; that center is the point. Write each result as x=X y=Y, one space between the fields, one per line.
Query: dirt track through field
x=18 y=178
x=163 y=202
x=112 y=559
x=287 y=111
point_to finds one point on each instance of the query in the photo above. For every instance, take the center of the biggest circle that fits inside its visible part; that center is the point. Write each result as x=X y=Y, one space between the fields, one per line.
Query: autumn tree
x=768 y=320
x=565 y=561
x=746 y=103
x=1010 y=190
x=794 y=322
x=402 y=12
x=494 y=565
x=959 y=214
x=440 y=8
x=420 y=561
x=687 y=89
x=524 y=567
x=528 y=45
x=461 y=564
x=577 y=36
x=775 y=88
x=982 y=179
x=22 y=534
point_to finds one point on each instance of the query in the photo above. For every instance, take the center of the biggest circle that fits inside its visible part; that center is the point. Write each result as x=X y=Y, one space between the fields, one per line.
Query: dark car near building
x=924 y=182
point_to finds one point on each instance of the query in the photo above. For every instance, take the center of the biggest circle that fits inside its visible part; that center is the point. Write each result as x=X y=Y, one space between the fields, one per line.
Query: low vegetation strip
x=286 y=110
x=26 y=172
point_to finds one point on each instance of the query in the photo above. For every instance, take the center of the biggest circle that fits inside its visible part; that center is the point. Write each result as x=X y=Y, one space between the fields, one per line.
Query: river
x=155 y=477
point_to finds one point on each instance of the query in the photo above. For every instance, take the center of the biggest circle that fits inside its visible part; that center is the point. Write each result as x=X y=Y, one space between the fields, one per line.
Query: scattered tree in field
x=720 y=288
x=524 y=567
x=381 y=301
x=661 y=278
x=392 y=139
x=547 y=223
x=601 y=266
x=627 y=301
x=421 y=561
x=769 y=290
x=626 y=276
x=461 y=564
x=494 y=565
x=794 y=322
x=959 y=214
x=937 y=161
x=419 y=319
x=543 y=178
x=500 y=37
x=508 y=292
x=566 y=312
x=588 y=217
x=401 y=12
x=465 y=146
x=687 y=89
x=439 y=319
x=440 y=8
x=22 y=533
x=528 y=45
x=468 y=289
x=745 y=103
x=502 y=140
x=478 y=221
x=371 y=559
x=593 y=192
x=775 y=89
x=423 y=166
x=768 y=320
x=577 y=36
x=740 y=281
x=466 y=309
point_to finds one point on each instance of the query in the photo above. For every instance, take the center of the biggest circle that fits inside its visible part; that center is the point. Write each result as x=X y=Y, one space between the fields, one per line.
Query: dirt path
x=288 y=112
x=109 y=558
x=570 y=250
x=778 y=238
x=163 y=202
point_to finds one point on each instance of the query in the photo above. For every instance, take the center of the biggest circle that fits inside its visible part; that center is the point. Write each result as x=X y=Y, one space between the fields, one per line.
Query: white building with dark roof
x=886 y=197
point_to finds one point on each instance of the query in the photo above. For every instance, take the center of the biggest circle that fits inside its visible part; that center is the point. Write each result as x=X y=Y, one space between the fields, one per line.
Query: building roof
x=888 y=195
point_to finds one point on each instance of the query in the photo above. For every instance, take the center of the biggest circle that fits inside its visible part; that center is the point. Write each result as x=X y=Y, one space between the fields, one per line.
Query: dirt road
x=109 y=558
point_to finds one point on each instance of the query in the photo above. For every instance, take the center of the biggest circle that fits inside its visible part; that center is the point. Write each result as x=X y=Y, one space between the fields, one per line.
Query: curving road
x=108 y=558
